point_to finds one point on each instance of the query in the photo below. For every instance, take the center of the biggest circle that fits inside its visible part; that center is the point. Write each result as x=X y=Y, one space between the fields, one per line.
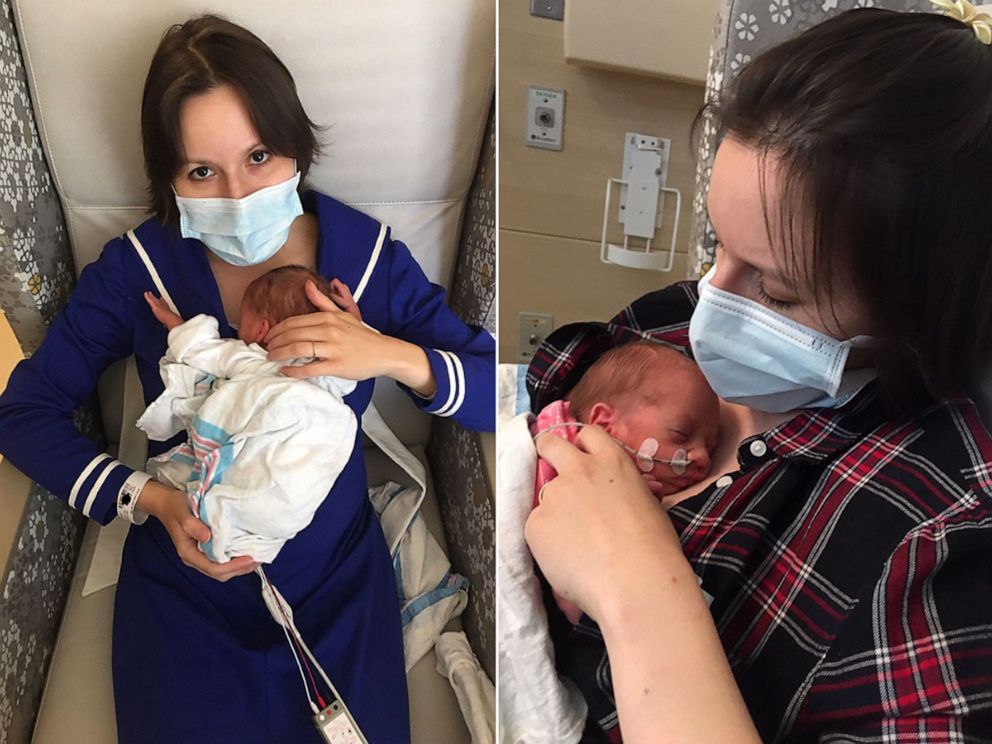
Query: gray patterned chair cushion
x=36 y=276
x=464 y=495
x=743 y=29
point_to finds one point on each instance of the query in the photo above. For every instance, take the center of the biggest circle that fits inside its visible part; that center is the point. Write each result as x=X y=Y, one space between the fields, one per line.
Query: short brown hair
x=619 y=372
x=197 y=56
x=882 y=122
x=281 y=293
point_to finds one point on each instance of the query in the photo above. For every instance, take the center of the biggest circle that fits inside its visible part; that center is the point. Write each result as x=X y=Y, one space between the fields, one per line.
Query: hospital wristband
x=127 y=498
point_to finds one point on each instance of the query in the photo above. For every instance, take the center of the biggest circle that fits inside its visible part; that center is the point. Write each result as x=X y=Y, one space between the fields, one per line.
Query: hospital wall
x=551 y=202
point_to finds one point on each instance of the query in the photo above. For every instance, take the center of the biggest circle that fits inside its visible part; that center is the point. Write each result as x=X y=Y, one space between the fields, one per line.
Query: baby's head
x=645 y=390
x=275 y=296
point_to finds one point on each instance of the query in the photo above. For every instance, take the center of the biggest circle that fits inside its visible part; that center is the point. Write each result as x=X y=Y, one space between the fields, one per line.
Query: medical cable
x=294 y=645
x=296 y=658
x=336 y=697
x=288 y=618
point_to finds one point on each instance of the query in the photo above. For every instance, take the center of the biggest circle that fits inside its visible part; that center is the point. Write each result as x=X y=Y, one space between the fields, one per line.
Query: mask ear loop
x=645 y=455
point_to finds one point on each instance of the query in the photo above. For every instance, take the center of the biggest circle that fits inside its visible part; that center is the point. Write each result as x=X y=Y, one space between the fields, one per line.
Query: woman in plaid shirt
x=845 y=530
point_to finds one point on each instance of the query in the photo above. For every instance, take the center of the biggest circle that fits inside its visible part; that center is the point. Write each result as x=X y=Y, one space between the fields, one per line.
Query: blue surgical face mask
x=245 y=231
x=752 y=355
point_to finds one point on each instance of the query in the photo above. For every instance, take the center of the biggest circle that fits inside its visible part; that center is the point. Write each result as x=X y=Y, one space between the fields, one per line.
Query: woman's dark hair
x=881 y=123
x=200 y=55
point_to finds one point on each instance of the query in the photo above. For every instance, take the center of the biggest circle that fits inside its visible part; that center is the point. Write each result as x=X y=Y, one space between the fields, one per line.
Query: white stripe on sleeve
x=83 y=476
x=457 y=375
x=451 y=381
x=96 y=486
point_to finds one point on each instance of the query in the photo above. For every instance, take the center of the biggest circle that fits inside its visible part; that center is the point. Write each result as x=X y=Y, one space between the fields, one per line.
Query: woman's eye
x=259 y=156
x=198 y=174
x=772 y=301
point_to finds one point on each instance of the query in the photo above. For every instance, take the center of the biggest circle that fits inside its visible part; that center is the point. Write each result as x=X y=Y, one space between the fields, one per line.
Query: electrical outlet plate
x=553 y=9
x=532 y=329
x=545 y=117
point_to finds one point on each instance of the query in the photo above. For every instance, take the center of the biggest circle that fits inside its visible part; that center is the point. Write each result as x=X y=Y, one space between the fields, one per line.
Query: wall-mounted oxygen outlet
x=532 y=329
x=545 y=117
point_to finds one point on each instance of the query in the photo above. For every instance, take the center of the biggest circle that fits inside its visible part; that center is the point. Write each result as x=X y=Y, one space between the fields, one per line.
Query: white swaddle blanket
x=473 y=689
x=430 y=594
x=535 y=705
x=263 y=450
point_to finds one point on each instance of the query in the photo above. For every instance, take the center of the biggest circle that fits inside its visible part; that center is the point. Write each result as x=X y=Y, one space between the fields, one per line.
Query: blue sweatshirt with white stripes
x=107 y=319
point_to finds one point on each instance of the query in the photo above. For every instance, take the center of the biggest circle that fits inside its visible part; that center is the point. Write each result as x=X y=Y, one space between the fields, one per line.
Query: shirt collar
x=818 y=434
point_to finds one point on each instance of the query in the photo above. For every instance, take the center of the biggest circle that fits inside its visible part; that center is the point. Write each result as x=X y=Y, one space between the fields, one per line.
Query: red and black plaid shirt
x=850 y=558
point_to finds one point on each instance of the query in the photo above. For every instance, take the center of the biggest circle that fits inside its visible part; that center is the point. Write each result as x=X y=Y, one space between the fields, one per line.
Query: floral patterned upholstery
x=743 y=29
x=463 y=492
x=36 y=276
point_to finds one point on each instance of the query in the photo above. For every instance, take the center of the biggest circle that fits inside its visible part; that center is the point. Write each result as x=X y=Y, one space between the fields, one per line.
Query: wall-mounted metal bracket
x=645 y=172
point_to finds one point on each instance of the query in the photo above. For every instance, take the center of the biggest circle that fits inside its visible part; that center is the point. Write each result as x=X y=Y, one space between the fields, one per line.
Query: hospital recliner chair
x=407 y=94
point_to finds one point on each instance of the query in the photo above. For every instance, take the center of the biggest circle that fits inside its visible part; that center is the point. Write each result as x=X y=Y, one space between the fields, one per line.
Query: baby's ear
x=602 y=414
x=263 y=330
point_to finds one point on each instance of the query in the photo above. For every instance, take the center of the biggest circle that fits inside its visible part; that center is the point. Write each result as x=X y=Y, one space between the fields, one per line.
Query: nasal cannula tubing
x=644 y=455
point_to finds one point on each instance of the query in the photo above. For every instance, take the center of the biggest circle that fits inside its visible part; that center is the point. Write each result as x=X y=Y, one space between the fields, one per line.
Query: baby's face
x=683 y=413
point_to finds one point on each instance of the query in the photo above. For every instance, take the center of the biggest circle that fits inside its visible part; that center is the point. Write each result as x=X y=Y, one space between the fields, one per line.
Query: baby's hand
x=161 y=311
x=343 y=299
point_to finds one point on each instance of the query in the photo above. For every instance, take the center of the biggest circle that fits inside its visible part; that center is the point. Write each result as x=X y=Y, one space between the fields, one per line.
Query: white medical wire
x=334 y=690
x=306 y=649
x=323 y=674
x=292 y=647
x=299 y=666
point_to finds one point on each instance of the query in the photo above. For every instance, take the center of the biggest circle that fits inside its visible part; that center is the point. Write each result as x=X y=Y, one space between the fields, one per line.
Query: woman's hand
x=605 y=542
x=169 y=506
x=346 y=347
x=598 y=527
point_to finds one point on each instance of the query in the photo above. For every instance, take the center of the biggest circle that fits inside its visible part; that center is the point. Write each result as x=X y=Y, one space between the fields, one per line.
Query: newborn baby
x=264 y=449
x=655 y=403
